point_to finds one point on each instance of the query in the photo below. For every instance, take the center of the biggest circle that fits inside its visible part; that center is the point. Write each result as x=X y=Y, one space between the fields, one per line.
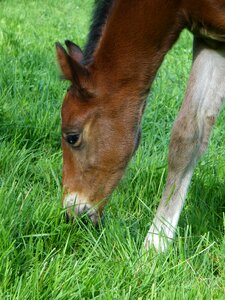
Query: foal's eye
x=73 y=139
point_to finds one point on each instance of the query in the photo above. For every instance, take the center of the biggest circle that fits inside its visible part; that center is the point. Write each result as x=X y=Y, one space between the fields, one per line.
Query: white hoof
x=158 y=239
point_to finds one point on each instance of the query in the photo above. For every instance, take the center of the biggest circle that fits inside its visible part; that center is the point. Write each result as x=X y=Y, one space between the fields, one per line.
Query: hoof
x=158 y=239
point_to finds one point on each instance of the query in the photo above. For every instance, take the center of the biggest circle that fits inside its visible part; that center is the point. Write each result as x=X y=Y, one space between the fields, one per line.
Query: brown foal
x=102 y=109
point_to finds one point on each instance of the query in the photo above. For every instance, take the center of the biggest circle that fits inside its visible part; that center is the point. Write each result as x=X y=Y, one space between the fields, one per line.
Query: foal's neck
x=134 y=41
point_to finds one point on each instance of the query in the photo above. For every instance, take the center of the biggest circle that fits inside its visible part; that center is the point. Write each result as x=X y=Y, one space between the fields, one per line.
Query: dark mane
x=101 y=12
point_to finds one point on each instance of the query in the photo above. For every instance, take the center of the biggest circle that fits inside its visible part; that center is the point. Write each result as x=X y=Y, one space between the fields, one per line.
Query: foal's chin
x=77 y=206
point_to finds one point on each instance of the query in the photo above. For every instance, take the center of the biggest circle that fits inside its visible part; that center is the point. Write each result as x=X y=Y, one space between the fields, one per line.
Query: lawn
x=42 y=257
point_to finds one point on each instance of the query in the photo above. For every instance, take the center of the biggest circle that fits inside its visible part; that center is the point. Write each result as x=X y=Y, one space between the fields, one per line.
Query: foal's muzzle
x=77 y=207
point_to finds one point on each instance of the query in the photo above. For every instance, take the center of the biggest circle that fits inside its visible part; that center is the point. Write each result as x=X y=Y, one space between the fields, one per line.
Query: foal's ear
x=74 y=51
x=71 y=69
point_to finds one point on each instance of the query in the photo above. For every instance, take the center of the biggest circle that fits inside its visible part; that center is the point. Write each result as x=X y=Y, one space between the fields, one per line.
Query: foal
x=102 y=109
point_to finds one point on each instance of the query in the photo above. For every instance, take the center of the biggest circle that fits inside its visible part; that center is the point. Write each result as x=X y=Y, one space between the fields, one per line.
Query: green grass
x=42 y=257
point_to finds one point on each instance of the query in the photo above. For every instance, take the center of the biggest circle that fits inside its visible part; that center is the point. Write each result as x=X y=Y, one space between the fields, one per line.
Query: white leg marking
x=163 y=228
x=191 y=131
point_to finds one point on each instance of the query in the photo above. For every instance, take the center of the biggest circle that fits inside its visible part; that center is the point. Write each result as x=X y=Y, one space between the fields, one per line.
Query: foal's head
x=99 y=134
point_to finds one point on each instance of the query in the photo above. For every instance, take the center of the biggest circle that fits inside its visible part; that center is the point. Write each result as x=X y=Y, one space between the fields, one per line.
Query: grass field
x=42 y=257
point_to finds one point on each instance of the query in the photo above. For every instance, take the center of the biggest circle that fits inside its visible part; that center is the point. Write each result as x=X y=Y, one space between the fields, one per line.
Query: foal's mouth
x=77 y=206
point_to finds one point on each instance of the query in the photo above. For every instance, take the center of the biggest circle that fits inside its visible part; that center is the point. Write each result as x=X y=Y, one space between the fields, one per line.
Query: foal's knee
x=184 y=142
x=190 y=136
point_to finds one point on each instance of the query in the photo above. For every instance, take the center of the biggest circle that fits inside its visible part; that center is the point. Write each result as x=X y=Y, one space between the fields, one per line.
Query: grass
x=42 y=257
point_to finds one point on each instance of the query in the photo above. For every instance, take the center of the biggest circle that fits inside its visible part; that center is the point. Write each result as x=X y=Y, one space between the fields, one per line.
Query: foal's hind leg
x=190 y=134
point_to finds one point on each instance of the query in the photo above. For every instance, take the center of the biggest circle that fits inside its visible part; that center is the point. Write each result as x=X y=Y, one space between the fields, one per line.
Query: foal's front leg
x=190 y=134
